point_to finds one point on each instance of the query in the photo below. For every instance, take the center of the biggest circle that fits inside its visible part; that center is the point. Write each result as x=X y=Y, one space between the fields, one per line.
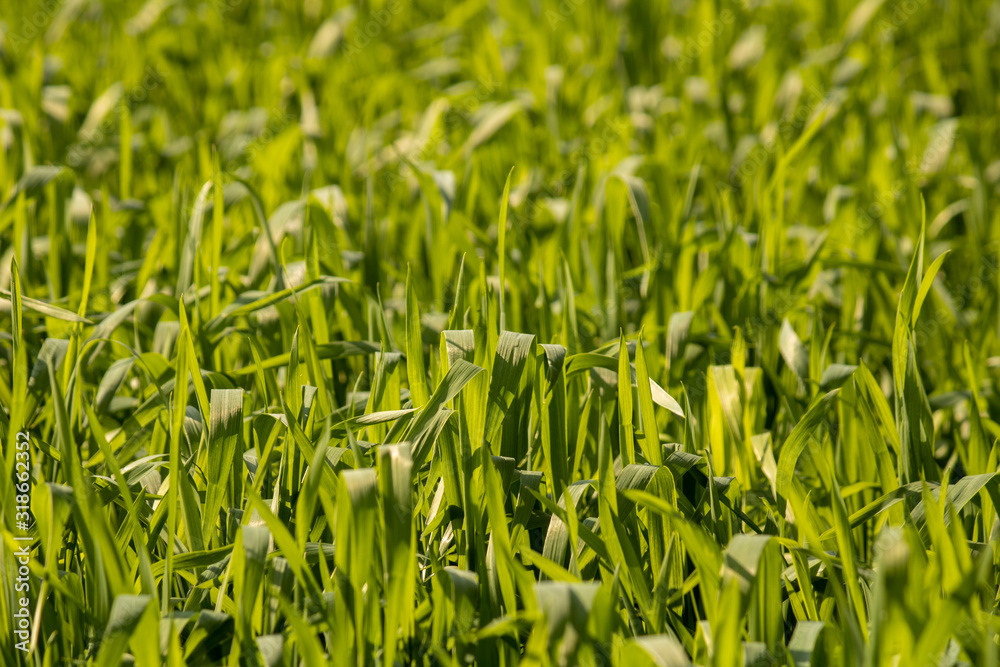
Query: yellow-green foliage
x=546 y=332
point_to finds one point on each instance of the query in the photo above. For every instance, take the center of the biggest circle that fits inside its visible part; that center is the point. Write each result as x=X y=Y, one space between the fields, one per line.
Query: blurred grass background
x=759 y=187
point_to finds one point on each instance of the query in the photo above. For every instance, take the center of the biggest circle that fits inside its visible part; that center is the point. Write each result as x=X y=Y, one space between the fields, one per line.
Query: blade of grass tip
x=197 y=381
x=416 y=370
x=20 y=226
x=371 y=245
x=103 y=263
x=502 y=246
x=294 y=380
x=570 y=329
x=626 y=442
x=456 y=319
x=258 y=369
x=377 y=313
x=189 y=251
x=977 y=449
x=317 y=313
x=16 y=322
x=88 y=274
x=379 y=392
x=217 y=223
x=907 y=410
x=651 y=447
x=875 y=434
x=19 y=386
x=927 y=283
x=47 y=309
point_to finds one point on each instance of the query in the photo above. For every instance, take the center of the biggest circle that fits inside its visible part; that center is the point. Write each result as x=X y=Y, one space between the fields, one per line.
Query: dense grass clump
x=542 y=333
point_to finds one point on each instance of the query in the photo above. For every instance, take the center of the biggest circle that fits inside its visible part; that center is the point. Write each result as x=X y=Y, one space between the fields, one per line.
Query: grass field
x=541 y=333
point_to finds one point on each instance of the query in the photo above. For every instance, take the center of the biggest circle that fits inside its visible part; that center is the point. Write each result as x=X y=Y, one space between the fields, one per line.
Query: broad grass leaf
x=127 y=612
x=224 y=454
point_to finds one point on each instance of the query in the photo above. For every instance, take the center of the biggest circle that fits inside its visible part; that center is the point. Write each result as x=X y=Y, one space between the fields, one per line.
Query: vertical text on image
x=22 y=521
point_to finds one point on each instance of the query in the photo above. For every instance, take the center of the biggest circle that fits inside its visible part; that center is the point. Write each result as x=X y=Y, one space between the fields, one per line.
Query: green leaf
x=126 y=614
x=416 y=370
x=224 y=454
x=451 y=384
x=625 y=437
x=502 y=245
x=801 y=436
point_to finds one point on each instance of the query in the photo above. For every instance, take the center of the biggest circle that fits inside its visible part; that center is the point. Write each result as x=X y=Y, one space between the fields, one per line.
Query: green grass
x=598 y=333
